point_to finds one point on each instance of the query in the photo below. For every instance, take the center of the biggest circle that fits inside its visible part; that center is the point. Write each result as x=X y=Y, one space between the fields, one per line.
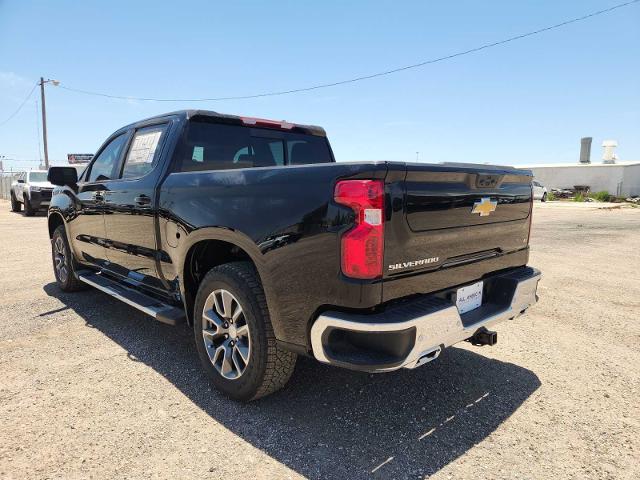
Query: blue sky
x=526 y=102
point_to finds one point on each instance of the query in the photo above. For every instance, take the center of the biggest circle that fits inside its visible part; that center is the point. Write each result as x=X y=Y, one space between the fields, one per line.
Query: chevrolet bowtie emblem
x=484 y=207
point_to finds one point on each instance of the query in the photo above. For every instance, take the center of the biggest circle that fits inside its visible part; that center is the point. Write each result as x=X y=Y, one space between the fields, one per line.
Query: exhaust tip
x=427 y=357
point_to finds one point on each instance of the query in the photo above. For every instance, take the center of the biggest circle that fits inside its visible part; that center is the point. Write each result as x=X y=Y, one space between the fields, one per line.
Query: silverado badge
x=484 y=207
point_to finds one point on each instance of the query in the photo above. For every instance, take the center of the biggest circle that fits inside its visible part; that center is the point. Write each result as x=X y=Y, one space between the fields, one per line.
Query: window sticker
x=198 y=154
x=144 y=147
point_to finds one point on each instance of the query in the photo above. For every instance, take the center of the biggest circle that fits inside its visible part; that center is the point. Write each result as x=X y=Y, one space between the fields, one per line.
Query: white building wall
x=632 y=180
x=617 y=179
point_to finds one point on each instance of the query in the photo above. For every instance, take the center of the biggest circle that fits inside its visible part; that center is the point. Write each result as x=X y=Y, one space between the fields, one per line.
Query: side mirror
x=62 y=176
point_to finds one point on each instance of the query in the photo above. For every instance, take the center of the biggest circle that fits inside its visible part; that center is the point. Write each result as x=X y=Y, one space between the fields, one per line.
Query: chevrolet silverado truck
x=32 y=190
x=250 y=232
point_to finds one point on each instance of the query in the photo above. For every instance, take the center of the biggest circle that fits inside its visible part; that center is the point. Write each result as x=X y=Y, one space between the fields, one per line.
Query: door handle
x=142 y=200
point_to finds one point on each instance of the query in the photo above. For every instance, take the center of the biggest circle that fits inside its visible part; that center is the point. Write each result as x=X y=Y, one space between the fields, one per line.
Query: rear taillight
x=363 y=246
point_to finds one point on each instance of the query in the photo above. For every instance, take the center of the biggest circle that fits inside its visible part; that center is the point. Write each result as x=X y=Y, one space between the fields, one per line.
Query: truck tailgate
x=452 y=224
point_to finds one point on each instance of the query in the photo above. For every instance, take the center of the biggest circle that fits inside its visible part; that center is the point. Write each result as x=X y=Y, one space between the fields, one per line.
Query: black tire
x=15 y=204
x=68 y=282
x=28 y=209
x=544 y=197
x=269 y=367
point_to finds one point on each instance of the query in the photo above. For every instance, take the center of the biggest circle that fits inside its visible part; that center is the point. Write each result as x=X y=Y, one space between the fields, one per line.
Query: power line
x=364 y=77
x=20 y=107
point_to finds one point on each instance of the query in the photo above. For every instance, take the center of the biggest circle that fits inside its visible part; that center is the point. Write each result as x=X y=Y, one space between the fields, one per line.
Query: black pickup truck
x=249 y=230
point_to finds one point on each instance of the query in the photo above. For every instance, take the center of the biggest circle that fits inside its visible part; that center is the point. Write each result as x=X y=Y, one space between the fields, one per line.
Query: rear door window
x=143 y=153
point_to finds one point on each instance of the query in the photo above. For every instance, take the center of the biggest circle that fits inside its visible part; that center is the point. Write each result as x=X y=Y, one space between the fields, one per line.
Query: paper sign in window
x=198 y=154
x=144 y=147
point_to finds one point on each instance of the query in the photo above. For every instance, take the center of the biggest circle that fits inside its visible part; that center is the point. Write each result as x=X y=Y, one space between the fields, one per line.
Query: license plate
x=469 y=297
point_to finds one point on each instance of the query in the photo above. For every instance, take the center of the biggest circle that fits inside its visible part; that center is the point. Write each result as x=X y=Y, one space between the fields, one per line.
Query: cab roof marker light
x=265 y=122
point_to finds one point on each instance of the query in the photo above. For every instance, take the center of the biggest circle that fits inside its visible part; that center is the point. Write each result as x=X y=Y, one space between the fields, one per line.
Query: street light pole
x=44 y=118
x=44 y=124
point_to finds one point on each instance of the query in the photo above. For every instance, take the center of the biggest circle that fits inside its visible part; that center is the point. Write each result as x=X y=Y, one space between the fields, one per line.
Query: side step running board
x=160 y=311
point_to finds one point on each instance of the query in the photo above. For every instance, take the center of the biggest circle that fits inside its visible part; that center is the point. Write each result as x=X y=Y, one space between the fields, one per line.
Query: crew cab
x=250 y=232
x=32 y=190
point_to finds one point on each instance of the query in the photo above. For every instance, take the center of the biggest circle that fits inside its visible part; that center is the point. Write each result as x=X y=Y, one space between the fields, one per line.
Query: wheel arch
x=54 y=221
x=207 y=252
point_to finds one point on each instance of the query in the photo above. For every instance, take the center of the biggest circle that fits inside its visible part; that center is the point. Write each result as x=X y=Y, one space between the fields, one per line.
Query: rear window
x=211 y=146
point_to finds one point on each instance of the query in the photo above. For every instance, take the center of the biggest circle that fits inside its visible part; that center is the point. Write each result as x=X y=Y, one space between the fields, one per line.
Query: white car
x=32 y=190
x=539 y=191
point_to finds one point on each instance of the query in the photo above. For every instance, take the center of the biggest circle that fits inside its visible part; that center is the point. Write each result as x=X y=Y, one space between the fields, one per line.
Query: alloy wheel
x=226 y=334
x=60 y=260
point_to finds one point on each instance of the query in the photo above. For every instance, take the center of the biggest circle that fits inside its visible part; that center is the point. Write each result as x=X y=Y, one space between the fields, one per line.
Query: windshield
x=37 y=176
x=212 y=146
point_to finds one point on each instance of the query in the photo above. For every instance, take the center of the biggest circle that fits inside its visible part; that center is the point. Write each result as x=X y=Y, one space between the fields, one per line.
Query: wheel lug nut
x=226 y=325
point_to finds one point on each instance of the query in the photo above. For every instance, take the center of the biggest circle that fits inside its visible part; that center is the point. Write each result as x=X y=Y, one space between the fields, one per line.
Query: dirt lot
x=90 y=388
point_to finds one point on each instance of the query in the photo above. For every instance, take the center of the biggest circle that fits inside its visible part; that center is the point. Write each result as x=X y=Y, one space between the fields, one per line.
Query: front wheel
x=63 y=263
x=15 y=204
x=234 y=336
x=28 y=209
x=544 y=197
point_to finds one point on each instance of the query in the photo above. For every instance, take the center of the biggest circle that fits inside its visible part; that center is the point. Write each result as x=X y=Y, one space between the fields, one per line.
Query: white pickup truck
x=31 y=189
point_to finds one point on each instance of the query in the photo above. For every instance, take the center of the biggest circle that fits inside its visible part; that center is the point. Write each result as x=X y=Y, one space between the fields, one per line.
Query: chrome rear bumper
x=413 y=333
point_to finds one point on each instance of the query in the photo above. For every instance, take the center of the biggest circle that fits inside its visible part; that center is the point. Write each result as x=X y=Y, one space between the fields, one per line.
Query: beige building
x=621 y=179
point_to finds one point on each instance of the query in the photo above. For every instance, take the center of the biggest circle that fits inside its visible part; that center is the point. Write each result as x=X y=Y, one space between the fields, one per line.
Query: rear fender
x=233 y=237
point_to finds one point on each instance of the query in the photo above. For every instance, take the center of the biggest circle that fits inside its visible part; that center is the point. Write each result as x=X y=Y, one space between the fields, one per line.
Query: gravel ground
x=90 y=388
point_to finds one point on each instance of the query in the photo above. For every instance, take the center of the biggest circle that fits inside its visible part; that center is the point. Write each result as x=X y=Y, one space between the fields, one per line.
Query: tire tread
x=73 y=284
x=15 y=204
x=28 y=209
x=280 y=363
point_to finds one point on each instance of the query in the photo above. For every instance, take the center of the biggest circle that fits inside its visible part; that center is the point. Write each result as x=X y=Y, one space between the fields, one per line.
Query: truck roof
x=216 y=117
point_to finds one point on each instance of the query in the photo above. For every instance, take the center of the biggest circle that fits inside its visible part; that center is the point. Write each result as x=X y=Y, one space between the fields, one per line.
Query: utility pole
x=44 y=119
x=38 y=134
x=44 y=124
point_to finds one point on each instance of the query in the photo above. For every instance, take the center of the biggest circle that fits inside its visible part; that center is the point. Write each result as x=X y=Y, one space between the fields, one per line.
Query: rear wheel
x=63 y=262
x=15 y=204
x=234 y=336
x=28 y=209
